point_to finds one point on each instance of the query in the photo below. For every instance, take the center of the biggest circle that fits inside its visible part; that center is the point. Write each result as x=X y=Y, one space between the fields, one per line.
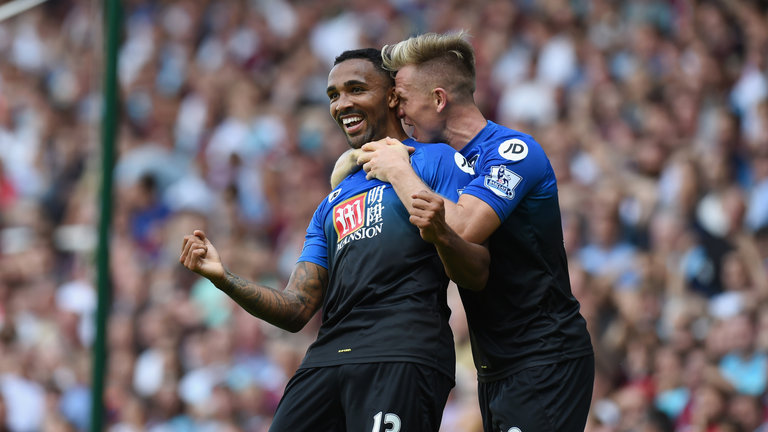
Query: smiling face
x=417 y=107
x=358 y=100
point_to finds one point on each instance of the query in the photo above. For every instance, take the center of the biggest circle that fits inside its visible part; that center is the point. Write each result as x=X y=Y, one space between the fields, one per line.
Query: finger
x=200 y=234
x=364 y=158
x=187 y=244
x=187 y=240
x=420 y=223
x=194 y=257
x=392 y=141
x=183 y=246
x=367 y=168
x=416 y=220
x=199 y=253
x=410 y=149
x=371 y=146
x=188 y=260
x=424 y=194
x=419 y=203
x=422 y=213
x=192 y=241
x=187 y=257
x=430 y=197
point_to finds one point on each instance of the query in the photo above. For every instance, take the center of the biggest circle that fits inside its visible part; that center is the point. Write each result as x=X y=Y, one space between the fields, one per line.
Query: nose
x=343 y=102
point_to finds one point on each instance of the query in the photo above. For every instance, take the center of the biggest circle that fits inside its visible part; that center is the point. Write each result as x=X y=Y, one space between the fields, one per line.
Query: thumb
x=201 y=235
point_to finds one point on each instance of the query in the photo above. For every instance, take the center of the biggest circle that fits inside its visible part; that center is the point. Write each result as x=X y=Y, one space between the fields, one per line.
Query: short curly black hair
x=373 y=55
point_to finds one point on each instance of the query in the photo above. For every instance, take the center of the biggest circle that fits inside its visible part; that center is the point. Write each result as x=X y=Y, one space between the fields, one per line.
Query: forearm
x=406 y=183
x=463 y=244
x=288 y=309
x=465 y=263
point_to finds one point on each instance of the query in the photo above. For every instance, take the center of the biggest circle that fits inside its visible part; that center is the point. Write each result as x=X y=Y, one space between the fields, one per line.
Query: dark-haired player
x=383 y=359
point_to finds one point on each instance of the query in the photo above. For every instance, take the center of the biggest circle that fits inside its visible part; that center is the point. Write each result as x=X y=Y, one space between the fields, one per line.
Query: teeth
x=349 y=120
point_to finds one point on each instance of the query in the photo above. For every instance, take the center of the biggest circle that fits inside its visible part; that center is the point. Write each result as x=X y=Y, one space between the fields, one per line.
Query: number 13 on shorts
x=392 y=421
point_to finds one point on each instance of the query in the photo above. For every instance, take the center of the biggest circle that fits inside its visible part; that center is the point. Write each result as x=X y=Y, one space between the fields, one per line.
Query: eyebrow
x=347 y=84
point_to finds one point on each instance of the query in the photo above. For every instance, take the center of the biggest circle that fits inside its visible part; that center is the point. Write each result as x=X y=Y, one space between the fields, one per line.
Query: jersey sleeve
x=315 y=249
x=442 y=168
x=509 y=170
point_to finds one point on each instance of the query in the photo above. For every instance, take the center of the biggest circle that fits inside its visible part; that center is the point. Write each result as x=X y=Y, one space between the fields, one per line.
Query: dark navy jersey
x=527 y=315
x=386 y=294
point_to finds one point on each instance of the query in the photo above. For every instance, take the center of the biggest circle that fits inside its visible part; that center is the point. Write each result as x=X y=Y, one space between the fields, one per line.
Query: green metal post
x=112 y=27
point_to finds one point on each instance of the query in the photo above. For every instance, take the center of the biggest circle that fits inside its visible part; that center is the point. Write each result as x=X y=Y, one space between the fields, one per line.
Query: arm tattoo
x=290 y=308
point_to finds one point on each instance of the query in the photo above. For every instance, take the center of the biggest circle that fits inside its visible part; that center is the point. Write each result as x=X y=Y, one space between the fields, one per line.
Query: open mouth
x=352 y=124
x=409 y=129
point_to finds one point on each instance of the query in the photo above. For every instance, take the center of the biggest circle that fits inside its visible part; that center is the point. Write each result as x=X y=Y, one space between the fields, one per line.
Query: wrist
x=220 y=281
x=401 y=172
x=446 y=238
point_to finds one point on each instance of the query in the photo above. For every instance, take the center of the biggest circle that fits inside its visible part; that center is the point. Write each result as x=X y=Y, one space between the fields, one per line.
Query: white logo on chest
x=359 y=217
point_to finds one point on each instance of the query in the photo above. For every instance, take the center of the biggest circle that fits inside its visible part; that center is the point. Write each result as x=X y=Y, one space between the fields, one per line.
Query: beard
x=373 y=132
x=358 y=141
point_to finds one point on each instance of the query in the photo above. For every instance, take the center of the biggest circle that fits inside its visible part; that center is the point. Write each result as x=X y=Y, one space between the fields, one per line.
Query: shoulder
x=510 y=144
x=352 y=185
x=430 y=148
x=439 y=157
x=504 y=146
x=429 y=154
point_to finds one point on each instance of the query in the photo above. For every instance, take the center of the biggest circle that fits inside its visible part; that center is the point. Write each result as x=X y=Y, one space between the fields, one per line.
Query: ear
x=392 y=99
x=439 y=98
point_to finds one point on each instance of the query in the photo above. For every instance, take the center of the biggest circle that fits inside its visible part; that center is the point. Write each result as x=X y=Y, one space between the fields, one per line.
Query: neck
x=462 y=124
x=399 y=134
x=395 y=129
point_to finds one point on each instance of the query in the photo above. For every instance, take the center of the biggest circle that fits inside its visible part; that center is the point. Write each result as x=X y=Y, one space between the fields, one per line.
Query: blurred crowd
x=654 y=115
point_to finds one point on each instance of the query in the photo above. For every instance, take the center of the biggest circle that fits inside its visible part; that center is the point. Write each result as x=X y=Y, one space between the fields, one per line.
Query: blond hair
x=448 y=59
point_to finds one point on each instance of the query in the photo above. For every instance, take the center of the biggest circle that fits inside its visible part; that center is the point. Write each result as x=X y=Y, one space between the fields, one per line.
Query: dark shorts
x=375 y=397
x=550 y=398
